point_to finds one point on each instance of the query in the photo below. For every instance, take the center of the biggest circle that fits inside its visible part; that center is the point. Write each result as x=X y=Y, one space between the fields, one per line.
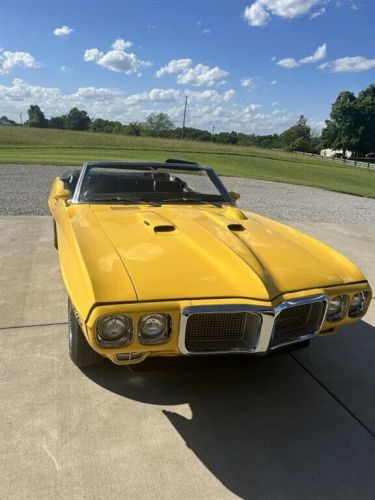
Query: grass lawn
x=59 y=147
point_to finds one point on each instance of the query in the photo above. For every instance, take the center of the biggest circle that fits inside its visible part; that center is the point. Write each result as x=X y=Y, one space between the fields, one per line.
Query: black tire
x=79 y=350
x=55 y=244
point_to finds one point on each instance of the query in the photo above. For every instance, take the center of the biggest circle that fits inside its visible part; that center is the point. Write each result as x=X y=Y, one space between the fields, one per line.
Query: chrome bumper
x=260 y=340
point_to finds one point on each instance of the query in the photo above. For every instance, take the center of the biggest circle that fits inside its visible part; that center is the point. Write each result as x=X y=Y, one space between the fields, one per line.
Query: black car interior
x=131 y=183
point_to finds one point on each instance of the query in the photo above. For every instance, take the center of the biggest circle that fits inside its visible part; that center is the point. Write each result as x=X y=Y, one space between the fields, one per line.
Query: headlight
x=336 y=308
x=114 y=330
x=358 y=304
x=154 y=328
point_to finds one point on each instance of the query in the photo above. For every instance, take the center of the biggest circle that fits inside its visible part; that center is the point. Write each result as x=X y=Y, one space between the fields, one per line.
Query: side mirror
x=234 y=195
x=62 y=194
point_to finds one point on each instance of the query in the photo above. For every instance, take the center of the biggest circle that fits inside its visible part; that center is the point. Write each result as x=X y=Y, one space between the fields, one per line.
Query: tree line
x=351 y=127
x=298 y=137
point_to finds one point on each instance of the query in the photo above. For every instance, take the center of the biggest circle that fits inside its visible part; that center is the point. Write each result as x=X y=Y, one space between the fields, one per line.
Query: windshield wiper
x=192 y=200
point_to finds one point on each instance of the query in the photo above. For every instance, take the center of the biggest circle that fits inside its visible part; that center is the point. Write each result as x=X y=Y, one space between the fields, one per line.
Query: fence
x=354 y=163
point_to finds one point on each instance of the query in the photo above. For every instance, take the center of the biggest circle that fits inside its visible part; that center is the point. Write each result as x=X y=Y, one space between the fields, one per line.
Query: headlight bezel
x=362 y=308
x=341 y=313
x=159 y=338
x=124 y=340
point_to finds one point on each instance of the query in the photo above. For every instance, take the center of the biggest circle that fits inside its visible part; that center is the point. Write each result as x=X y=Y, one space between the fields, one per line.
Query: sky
x=252 y=66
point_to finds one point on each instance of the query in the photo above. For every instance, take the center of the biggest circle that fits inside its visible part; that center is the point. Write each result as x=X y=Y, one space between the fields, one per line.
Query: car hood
x=177 y=252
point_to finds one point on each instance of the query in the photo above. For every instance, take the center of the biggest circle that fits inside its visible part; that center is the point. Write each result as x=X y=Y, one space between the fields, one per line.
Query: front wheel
x=79 y=350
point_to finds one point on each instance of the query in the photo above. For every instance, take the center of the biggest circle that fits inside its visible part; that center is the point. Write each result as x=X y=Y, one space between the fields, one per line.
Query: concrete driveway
x=284 y=427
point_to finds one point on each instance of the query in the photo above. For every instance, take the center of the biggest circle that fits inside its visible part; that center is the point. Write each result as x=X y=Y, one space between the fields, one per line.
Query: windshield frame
x=150 y=166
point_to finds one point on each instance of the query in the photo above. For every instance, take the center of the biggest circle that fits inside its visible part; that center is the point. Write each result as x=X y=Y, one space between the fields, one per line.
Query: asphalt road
x=24 y=191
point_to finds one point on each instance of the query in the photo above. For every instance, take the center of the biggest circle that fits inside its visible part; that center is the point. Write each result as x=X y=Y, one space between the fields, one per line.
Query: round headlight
x=336 y=308
x=358 y=304
x=115 y=328
x=154 y=328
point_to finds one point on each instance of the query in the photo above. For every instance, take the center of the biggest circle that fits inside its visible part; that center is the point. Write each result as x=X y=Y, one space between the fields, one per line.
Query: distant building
x=335 y=153
x=5 y=121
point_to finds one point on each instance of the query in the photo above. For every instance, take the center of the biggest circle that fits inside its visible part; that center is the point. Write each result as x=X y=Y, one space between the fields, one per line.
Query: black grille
x=292 y=318
x=223 y=326
x=297 y=323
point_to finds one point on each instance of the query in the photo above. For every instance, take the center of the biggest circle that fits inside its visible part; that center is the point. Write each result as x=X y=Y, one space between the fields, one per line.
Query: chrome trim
x=77 y=191
x=268 y=314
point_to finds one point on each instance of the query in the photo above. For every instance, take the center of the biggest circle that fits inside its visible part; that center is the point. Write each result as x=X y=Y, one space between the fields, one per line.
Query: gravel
x=24 y=190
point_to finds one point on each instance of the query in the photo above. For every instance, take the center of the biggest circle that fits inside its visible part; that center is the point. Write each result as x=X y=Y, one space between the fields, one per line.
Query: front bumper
x=179 y=310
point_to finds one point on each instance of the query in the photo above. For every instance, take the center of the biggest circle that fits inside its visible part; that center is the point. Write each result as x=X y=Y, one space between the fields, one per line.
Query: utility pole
x=183 y=122
x=21 y=118
x=212 y=132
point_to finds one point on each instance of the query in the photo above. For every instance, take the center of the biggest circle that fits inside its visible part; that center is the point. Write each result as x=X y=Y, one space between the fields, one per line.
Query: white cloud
x=93 y=55
x=63 y=32
x=259 y=12
x=288 y=62
x=248 y=83
x=155 y=95
x=274 y=82
x=229 y=95
x=202 y=75
x=318 y=13
x=256 y=14
x=121 y=44
x=66 y=69
x=349 y=65
x=206 y=108
x=175 y=66
x=197 y=75
x=211 y=96
x=96 y=93
x=318 y=55
x=9 y=60
x=206 y=31
x=117 y=59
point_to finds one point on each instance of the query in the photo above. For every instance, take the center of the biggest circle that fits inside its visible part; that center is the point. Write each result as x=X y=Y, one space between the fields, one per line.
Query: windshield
x=129 y=184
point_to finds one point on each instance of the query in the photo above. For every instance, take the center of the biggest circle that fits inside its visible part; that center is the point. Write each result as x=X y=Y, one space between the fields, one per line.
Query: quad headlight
x=114 y=330
x=154 y=328
x=358 y=304
x=336 y=308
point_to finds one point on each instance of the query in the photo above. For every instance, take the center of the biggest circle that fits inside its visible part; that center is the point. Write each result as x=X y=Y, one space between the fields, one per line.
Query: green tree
x=343 y=130
x=57 y=122
x=134 y=128
x=77 y=119
x=158 y=125
x=298 y=137
x=366 y=110
x=36 y=117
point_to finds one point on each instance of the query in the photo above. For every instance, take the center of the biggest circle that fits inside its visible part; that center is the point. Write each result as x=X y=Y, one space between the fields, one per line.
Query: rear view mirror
x=234 y=195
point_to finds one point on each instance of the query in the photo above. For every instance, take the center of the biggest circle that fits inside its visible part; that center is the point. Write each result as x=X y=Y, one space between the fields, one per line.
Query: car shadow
x=263 y=426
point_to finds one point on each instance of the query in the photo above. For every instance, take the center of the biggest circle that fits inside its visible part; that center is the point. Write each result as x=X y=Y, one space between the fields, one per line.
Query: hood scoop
x=164 y=228
x=157 y=223
x=236 y=228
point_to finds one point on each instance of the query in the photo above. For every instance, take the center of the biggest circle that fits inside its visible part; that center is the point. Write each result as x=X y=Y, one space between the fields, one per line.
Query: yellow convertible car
x=157 y=260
